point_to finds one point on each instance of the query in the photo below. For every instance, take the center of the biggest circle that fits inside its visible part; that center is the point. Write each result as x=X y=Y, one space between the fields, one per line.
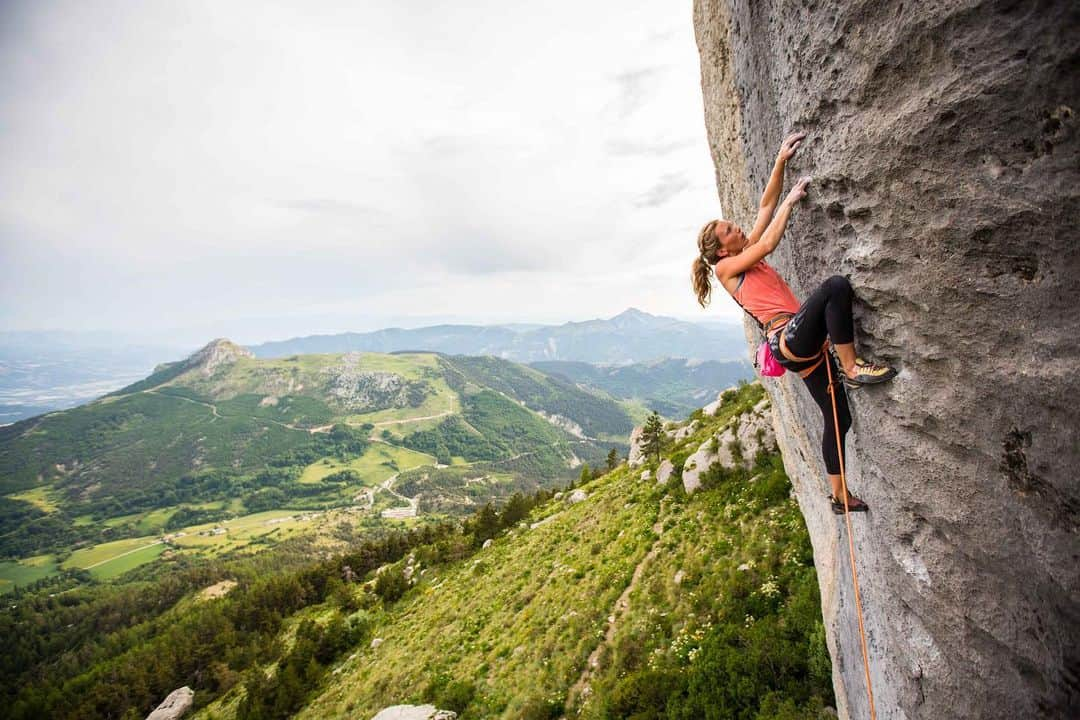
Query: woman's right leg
x=827 y=312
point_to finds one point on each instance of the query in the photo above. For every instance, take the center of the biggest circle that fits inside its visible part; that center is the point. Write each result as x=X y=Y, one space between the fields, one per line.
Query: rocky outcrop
x=664 y=472
x=414 y=712
x=737 y=444
x=577 y=496
x=215 y=354
x=942 y=141
x=636 y=457
x=174 y=706
x=682 y=432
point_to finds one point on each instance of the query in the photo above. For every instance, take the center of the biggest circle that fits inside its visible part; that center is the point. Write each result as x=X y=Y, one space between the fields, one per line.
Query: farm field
x=378 y=462
x=25 y=571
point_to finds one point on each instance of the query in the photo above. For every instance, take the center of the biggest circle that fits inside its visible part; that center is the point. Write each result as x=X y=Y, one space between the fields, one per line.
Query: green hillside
x=222 y=434
x=636 y=601
x=672 y=387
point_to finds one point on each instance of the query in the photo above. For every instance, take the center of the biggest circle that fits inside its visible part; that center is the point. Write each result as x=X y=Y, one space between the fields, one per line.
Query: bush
x=538 y=708
x=391 y=584
x=446 y=693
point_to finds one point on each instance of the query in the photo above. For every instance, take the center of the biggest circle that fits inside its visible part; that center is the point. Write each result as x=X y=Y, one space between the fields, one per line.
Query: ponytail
x=701 y=270
x=699 y=278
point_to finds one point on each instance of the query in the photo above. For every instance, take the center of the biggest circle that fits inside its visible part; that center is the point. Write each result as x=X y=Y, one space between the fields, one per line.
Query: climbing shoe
x=854 y=505
x=868 y=373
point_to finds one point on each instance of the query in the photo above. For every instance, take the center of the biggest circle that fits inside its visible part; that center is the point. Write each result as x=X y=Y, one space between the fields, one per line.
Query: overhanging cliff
x=942 y=141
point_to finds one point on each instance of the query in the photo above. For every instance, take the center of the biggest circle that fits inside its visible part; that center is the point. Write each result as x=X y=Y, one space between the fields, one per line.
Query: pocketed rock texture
x=942 y=142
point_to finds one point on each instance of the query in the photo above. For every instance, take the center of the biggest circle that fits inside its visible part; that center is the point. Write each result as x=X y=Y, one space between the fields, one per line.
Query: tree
x=586 y=474
x=515 y=510
x=652 y=435
x=612 y=459
x=485 y=524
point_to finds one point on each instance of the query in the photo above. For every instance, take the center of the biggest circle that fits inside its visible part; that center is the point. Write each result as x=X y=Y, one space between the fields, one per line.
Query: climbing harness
x=851 y=542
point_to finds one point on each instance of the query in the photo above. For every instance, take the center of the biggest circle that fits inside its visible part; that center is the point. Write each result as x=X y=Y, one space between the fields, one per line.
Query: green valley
x=221 y=436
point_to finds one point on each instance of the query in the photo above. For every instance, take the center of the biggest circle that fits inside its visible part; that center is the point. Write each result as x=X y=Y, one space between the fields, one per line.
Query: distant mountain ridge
x=673 y=387
x=631 y=336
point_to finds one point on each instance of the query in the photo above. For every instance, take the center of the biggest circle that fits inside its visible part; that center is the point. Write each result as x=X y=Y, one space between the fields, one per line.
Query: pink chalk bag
x=765 y=362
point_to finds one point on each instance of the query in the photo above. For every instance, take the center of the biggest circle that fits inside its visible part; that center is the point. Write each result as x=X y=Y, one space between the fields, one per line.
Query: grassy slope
x=519 y=620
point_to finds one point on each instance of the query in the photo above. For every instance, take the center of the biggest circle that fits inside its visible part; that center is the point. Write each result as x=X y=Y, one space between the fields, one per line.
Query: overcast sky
x=262 y=170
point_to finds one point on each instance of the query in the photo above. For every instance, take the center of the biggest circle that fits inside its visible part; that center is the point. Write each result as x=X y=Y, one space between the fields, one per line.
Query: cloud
x=663 y=191
x=634 y=88
x=655 y=148
x=472 y=250
x=329 y=206
x=240 y=159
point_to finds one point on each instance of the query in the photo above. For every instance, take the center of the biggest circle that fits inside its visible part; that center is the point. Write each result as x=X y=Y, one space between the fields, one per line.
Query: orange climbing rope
x=851 y=541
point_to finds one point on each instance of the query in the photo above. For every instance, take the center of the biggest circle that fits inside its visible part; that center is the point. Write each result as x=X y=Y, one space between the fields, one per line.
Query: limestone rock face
x=943 y=145
x=174 y=706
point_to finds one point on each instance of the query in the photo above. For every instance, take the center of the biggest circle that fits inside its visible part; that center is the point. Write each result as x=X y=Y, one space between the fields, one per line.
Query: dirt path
x=217 y=415
x=383 y=423
x=581 y=690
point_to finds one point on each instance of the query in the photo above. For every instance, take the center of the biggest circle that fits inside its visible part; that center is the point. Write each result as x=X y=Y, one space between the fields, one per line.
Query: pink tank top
x=764 y=293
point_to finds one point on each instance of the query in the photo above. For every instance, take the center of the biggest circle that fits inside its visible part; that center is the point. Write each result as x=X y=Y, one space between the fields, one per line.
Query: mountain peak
x=633 y=314
x=217 y=352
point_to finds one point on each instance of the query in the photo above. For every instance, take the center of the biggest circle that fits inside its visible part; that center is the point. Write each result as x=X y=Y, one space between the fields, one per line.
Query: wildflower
x=769 y=589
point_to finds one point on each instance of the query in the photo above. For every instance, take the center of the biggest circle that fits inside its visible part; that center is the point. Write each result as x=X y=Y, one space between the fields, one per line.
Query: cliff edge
x=942 y=141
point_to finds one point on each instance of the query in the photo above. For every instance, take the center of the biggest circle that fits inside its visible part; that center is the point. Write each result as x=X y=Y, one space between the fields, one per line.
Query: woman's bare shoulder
x=730 y=283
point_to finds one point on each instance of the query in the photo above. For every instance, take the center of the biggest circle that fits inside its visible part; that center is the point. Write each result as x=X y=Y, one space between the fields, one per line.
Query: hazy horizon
x=258 y=172
x=189 y=337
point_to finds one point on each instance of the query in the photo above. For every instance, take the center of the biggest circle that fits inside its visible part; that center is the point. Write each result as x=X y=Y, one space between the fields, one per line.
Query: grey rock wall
x=942 y=141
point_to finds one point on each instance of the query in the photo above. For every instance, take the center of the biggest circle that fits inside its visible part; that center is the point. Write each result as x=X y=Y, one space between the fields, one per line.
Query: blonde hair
x=700 y=271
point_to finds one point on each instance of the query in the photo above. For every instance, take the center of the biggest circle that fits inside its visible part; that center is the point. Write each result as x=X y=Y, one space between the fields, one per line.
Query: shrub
x=540 y=708
x=391 y=584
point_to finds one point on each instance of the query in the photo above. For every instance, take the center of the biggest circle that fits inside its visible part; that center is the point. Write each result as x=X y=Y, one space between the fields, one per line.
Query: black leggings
x=826 y=312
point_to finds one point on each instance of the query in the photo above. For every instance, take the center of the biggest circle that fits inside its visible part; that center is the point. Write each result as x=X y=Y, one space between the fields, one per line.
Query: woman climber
x=796 y=332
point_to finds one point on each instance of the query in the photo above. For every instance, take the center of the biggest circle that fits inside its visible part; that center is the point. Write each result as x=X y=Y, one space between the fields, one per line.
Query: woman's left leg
x=827 y=312
x=817 y=383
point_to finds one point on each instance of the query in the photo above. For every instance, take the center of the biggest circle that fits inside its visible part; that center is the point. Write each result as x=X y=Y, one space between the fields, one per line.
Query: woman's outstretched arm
x=732 y=265
x=774 y=186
